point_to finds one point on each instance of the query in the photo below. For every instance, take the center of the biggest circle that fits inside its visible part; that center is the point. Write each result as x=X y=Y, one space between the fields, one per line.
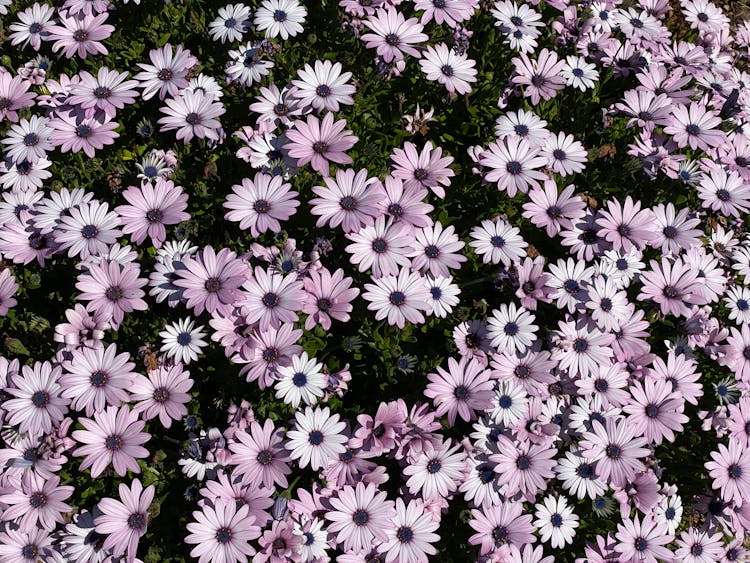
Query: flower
x=14 y=95
x=301 y=381
x=247 y=65
x=113 y=437
x=8 y=288
x=38 y=502
x=616 y=449
x=513 y=164
x=81 y=35
x=182 y=341
x=437 y=472
x=280 y=18
x=511 y=329
x=450 y=69
x=259 y=204
x=360 y=515
x=393 y=35
x=435 y=250
x=86 y=134
x=383 y=247
x=323 y=87
x=125 y=521
x=231 y=23
x=671 y=285
x=724 y=192
x=150 y=208
x=696 y=126
x=541 y=76
x=317 y=437
x=222 y=533
x=498 y=241
x=319 y=142
x=107 y=91
x=38 y=406
x=328 y=296
x=271 y=299
x=464 y=389
x=655 y=410
x=556 y=521
x=112 y=289
x=730 y=470
x=578 y=73
x=399 y=298
x=33 y=27
x=259 y=456
x=164 y=394
x=642 y=540
x=193 y=114
x=29 y=140
x=411 y=533
x=166 y=74
x=504 y=524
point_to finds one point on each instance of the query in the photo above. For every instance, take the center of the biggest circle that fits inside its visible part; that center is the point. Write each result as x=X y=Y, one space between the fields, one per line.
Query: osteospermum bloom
x=167 y=73
x=81 y=35
x=329 y=296
x=150 y=208
x=210 y=279
x=272 y=299
x=382 y=247
x=107 y=91
x=182 y=341
x=427 y=168
x=164 y=394
x=616 y=450
x=259 y=455
x=348 y=200
x=462 y=390
x=8 y=288
x=411 y=535
x=436 y=250
x=39 y=502
x=656 y=410
x=626 y=225
x=643 y=541
x=452 y=70
x=556 y=521
x=112 y=289
x=303 y=381
x=359 y=515
x=324 y=86
x=730 y=471
x=438 y=471
x=671 y=285
x=317 y=437
x=113 y=437
x=193 y=114
x=280 y=18
x=14 y=95
x=86 y=134
x=501 y=525
x=511 y=329
x=28 y=140
x=541 y=76
x=222 y=533
x=724 y=192
x=96 y=377
x=261 y=203
x=497 y=241
x=320 y=141
x=33 y=26
x=696 y=126
x=393 y=35
x=398 y=298
x=231 y=23
x=123 y=522
x=36 y=403
x=513 y=164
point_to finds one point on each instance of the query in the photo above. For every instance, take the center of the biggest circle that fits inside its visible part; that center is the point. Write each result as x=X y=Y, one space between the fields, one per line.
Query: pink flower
x=497 y=526
x=523 y=467
x=271 y=299
x=259 y=204
x=113 y=437
x=8 y=288
x=616 y=449
x=384 y=247
x=411 y=535
x=150 y=208
x=319 y=142
x=695 y=126
x=167 y=73
x=393 y=34
x=222 y=533
x=259 y=456
x=80 y=34
x=541 y=76
x=513 y=164
x=124 y=522
x=112 y=289
x=14 y=95
x=38 y=502
x=38 y=406
x=437 y=472
x=360 y=516
x=426 y=169
x=730 y=470
x=193 y=115
x=107 y=91
x=626 y=226
x=464 y=389
x=164 y=394
x=656 y=410
x=86 y=134
x=348 y=200
x=670 y=284
x=643 y=541
x=328 y=296
x=450 y=69
x=323 y=87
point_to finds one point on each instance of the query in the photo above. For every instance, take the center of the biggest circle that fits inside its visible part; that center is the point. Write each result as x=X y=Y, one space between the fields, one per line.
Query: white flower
x=511 y=329
x=280 y=17
x=509 y=403
x=231 y=23
x=579 y=477
x=182 y=341
x=669 y=510
x=302 y=381
x=578 y=73
x=443 y=296
x=738 y=303
x=556 y=521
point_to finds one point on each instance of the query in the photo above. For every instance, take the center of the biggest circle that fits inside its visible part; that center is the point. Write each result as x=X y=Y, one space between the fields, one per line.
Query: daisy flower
x=259 y=204
x=8 y=288
x=81 y=35
x=150 y=208
x=382 y=247
x=280 y=106
x=36 y=402
x=737 y=300
x=674 y=230
x=164 y=394
x=280 y=18
x=319 y=142
x=497 y=241
x=324 y=86
x=730 y=471
x=14 y=95
x=301 y=381
x=87 y=134
x=669 y=511
x=28 y=140
x=556 y=521
x=348 y=200
x=182 y=341
x=411 y=533
x=695 y=126
x=436 y=250
x=247 y=65
x=393 y=35
x=513 y=164
x=696 y=546
x=462 y=390
x=578 y=73
x=616 y=450
x=259 y=456
x=443 y=296
x=24 y=176
x=231 y=23
x=222 y=533
x=124 y=521
x=360 y=515
x=724 y=192
x=582 y=347
x=426 y=169
x=166 y=74
x=107 y=91
x=193 y=114
x=671 y=285
x=642 y=540
x=271 y=299
x=113 y=437
x=452 y=70
x=564 y=154
x=398 y=298
x=317 y=437
x=438 y=471
x=38 y=502
x=579 y=476
x=497 y=526
x=112 y=290
x=524 y=124
x=509 y=403
x=329 y=296
x=33 y=26
x=511 y=329
x=656 y=411
x=541 y=76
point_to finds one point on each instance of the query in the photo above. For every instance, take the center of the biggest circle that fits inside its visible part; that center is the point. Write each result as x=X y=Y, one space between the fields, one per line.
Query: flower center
x=397 y=298
x=323 y=90
x=379 y=245
x=102 y=92
x=265 y=457
x=270 y=300
x=434 y=466
x=315 y=437
x=320 y=147
x=113 y=442
x=497 y=241
x=613 y=451
x=80 y=35
x=30 y=551
x=212 y=285
x=671 y=292
x=165 y=74
x=360 y=517
x=652 y=411
x=89 y=231
x=511 y=328
x=500 y=535
x=184 y=338
x=38 y=500
x=31 y=139
x=192 y=118
x=505 y=402
x=137 y=521
x=404 y=534
x=432 y=251
x=324 y=304
x=556 y=520
x=113 y=293
x=734 y=471
x=514 y=167
x=299 y=379
x=523 y=462
x=585 y=471
x=161 y=395
x=640 y=544
x=559 y=154
x=83 y=131
x=692 y=129
x=521 y=130
x=40 y=399
x=392 y=39
x=461 y=393
x=580 y=345
x=447 y=70
x=224 y=535
x=270 y=355
x=395 y=209
x=261 y=206
x=99 y=378
x=279 y=15
x=348 y=203
x=154 y=215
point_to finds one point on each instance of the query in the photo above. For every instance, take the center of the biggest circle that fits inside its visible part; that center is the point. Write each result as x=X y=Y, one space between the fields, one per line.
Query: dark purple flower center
x=348 y=203
x=696 y=549
x=703 y=17
x=212 y=285
x=521 y=130
x=320 y=147
x=279 y=15
x=80 y=35
x=671 y=292
x=538 y=80
x=559 y=154
x=522 y=372
x=447 y=70
x=511 y=328
x=395 y=209
x=734 y=471
x=436 y=292
x=613 y=451
x=392 y=39
x=497 y=241
x=5 y=103
x=281 y=109
x=601 y=385
x=434 y=466
x=505 y=402
x=669 y=231
x=379 y=430
x=515 y=20
x=500 y=535
x=523 y=462
x=743 y=305
x=154 y=215
x=137 y=521
x=83 y=131
x=514 y=167
x=270 y=300
x=102 y=92
x=270 y=355
x=421 y=174
x=439 y=3
x=580 y=345
x=30 y=551
x=324 y=304
x=670 y=513
x=315 y=437
x=528 y=288
x=113 y=442
x=641 y=544
x=652 y=411
x=265 y=457
x=223 y=535
x=360 y=517
x=556 y=520
x=192 y=118
x=585 y=471
x=323 y=90
x=397 y=298
x=279 y=544
x=379 y=245
x=165 y=74
x=161 y=395
x=35 y=27
x=89 y=231
x=606 y=304
x=40 y=399
x=230 y=22
x=432 y=251
x=184 y=338
x=578 y=72
x=461 y=392
x=261 y=206
x=113 y=293
x=404 y=534
x=31 y=139
x=299 y=379
x=38 y=500
x=692 y=129
x=99 y=378
x=723 y=195
x=623 y=230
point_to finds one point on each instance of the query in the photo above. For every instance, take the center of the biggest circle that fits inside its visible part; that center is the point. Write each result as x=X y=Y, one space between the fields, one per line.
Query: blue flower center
x=113 y=442
x=404 y=534
x=40 y=399
x=299 y=379
x=271 y=300
x=315 y=437
x=434 y=466
x=397 y=298
x=184 y=338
